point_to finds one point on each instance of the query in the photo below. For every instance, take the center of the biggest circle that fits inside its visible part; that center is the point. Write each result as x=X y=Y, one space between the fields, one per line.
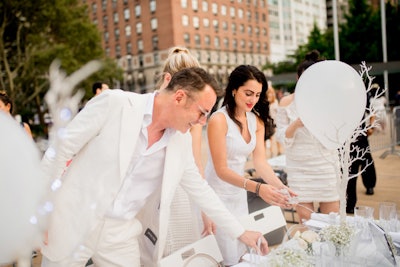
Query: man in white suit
x=129 y=152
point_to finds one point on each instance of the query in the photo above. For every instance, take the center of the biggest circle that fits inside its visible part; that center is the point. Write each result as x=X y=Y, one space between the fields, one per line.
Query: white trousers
x=112 y=243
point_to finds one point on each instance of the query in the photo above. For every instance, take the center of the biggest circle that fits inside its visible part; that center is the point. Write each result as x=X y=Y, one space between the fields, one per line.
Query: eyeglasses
x=203 y=112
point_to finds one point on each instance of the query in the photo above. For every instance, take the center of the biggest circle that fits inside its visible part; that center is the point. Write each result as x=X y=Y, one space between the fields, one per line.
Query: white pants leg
x=113 y=243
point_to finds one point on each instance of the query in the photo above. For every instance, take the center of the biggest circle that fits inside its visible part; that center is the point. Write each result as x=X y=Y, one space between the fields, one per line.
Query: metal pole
x=384 y=50
x=335 y=30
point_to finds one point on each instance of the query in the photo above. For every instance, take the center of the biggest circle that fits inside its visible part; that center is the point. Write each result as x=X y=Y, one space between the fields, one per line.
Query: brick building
x=222 y=34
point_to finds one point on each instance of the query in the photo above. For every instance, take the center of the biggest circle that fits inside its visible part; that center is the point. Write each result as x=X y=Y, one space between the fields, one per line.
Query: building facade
x=221 y=34
x=291 y=22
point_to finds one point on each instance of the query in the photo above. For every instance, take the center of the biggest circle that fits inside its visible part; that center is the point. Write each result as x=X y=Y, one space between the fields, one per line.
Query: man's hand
x=209 y=226
x=251 y=239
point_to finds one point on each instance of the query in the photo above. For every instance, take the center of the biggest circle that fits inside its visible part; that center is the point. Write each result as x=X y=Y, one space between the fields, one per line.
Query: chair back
x=203 y=253
x=265 y=220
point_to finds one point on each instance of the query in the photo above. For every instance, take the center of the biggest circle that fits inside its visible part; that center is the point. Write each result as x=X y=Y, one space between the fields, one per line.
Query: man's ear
x=179 y=95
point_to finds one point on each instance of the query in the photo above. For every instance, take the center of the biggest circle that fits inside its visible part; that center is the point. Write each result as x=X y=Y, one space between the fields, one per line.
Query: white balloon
x=330 y=99
x=21 y=192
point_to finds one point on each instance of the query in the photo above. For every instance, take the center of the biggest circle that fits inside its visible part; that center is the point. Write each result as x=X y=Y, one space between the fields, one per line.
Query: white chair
x=265 y=220
x=203 y=253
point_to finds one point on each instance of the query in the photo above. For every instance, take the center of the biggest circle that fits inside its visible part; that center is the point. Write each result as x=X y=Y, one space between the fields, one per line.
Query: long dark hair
x=239 y=76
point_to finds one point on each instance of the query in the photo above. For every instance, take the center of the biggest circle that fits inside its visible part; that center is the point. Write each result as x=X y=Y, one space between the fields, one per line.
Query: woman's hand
x=274 y=196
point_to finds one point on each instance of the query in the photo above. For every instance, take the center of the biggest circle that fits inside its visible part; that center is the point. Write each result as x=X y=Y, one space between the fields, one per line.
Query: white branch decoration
x=345 y=160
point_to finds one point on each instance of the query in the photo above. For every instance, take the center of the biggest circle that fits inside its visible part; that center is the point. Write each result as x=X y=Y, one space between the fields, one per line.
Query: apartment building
x=222 y=34
x=291 y=22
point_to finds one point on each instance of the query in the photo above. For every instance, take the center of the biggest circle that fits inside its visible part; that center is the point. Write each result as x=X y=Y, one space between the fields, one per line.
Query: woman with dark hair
x=6 y=106
x=234 y=132
x=309 y=165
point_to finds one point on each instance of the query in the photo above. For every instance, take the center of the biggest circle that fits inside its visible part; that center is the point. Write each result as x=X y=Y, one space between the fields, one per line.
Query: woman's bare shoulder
x=286 y=100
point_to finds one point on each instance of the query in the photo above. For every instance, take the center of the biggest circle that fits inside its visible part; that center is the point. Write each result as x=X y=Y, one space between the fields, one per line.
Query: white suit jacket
x=101 y=140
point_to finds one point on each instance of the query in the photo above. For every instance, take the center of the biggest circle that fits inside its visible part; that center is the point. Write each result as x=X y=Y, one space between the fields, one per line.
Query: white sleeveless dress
x=309 y=165
x=234 y=198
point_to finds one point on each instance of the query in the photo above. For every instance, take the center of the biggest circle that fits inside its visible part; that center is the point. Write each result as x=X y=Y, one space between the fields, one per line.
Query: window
x=232 y=12
x=214 y=8
x=225 y=25
x=186 y=38
x=195 y=5
x=185 y=20
x=226 y=43
x=105 y=21
x=137 y=11
x=233 y=25
x=196 y=22
x=116 y=33
x=154 y=42
x=197 y=40
x=223 y=10
x=241 y=26
x=94 y=8
x=184 y=3
x=215 y=24
x=140 y=45
x=207 y=40
x=129 y=48
x=153 y=6
x=240 y=13
x=139 y=28
x=156 y=59
x=128 y=30
x=154 y=24
x=127 y=14
x=234 y=44
x=116 y=17
x=205 y=6
x=216 y=41
x=249 y=30
x=118 y=51
x=106 y=36
x=103 y=5
x=206 y=22
x=242 y=44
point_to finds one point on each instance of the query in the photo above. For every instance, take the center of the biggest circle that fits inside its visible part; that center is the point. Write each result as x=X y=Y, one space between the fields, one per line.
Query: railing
x=389 y=138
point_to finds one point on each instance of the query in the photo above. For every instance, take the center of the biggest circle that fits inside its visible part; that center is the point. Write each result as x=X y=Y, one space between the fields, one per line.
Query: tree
x=360 y=36
x=33 y=34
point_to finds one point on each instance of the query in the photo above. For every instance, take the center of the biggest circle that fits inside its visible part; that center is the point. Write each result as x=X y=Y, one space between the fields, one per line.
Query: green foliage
x=360 y=39
x=36 y=32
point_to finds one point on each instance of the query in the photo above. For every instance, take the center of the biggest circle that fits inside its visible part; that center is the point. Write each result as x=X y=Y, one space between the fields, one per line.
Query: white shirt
x=145 y=171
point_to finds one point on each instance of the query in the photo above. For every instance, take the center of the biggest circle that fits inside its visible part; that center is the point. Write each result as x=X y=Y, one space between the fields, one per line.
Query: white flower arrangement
x=306 y=239
x=290 y=257
x=339 y=234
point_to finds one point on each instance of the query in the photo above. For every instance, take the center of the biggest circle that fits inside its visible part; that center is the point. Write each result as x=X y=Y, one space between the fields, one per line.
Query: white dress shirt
x=144 y=173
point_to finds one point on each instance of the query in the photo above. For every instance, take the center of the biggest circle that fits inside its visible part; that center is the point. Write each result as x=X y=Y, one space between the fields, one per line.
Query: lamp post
x=384 y=51
x=335 y=29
